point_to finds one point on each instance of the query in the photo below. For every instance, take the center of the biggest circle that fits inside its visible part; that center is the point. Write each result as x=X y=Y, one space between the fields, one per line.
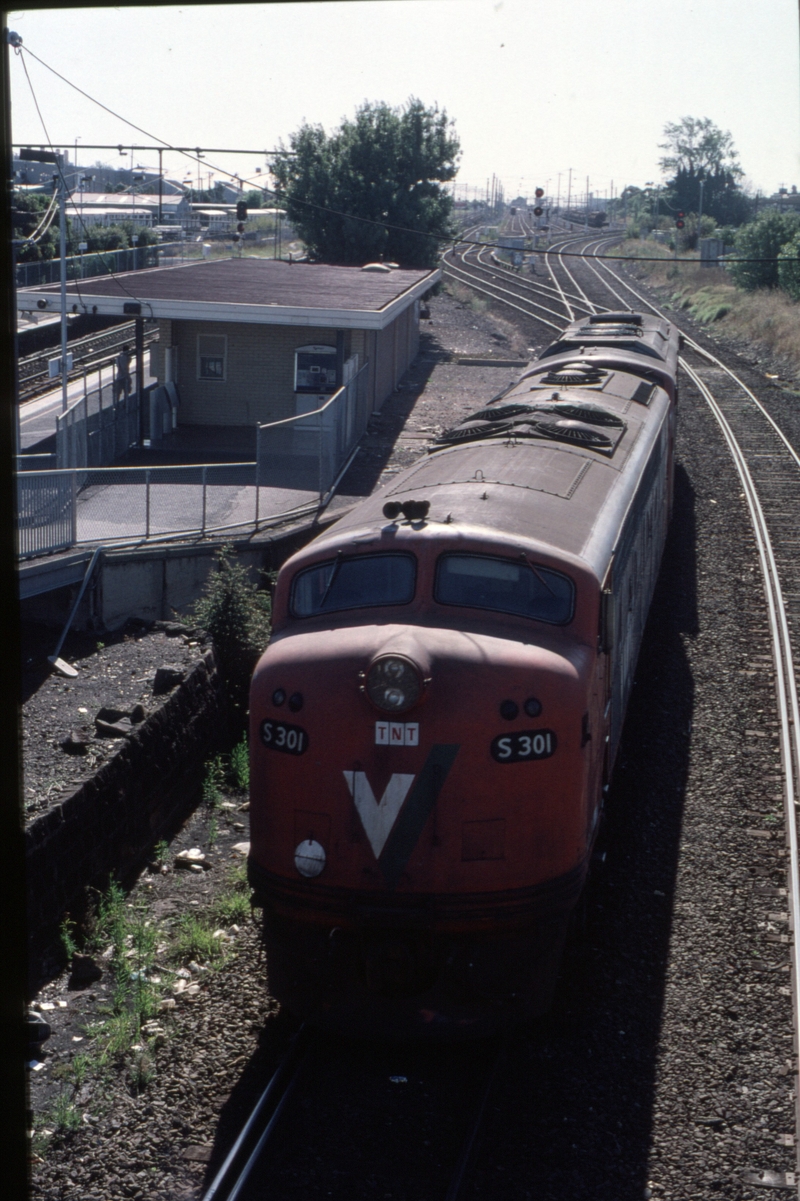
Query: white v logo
x=378 y=817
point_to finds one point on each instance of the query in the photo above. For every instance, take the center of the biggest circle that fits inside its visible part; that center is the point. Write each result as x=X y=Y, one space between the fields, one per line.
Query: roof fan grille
x=577 y=432
x=566 y=376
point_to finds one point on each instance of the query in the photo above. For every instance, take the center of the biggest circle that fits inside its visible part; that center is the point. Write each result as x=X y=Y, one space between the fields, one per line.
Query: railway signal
x=679 y=224
x=538 y=210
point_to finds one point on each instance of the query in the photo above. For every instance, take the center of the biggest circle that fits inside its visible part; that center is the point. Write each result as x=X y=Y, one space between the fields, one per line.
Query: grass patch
x=195 y=941
x=767 y=316
x=240 y=766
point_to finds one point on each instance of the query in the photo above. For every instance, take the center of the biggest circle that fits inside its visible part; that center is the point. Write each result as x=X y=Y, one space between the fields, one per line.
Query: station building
x=248 y=341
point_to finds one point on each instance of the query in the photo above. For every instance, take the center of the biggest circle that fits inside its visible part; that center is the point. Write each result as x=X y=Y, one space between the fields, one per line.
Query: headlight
x=393 y=683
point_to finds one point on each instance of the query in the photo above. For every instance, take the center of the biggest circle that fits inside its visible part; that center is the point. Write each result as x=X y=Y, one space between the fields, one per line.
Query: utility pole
x=61 y=187
x=700 y=214
x=569 y=189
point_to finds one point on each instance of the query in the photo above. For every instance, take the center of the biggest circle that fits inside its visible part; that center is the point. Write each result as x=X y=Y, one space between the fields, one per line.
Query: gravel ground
x=667 y=1068
x=114 y=671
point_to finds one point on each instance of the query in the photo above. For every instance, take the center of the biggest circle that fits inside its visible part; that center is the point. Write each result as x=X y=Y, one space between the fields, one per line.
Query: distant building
x=109 y=208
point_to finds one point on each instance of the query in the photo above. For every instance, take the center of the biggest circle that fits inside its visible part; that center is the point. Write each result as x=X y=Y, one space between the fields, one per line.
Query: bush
x=789 y=267
x=761 y=242
x=237 y=616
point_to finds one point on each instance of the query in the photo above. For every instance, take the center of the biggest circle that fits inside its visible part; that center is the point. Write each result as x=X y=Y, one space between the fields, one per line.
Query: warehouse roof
x=263 y=291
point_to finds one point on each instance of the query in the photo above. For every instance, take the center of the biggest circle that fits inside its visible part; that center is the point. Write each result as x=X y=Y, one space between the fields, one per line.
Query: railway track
x=89 y=353
x=246 y=1167
x=761 y=433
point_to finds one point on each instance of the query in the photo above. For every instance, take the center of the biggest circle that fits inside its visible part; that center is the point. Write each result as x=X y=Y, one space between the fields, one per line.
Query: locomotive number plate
x=280 y=736
x=517 y=748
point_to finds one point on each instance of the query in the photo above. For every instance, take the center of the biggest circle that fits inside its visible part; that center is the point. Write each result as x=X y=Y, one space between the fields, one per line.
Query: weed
x=101 y=646
x=161 y=852
x=64 y=1115
x=236 y=613
x=80 y=1068
x=141 y=1071
x=67 y=940
x=195 y=940
x=237 y=878
x=213 y=831
x=144 y=939
x=240 y=766
x=213 y=782
x=231 y=908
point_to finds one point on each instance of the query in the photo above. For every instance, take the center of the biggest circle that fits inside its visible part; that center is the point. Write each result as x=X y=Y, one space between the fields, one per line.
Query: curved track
x=767 y=463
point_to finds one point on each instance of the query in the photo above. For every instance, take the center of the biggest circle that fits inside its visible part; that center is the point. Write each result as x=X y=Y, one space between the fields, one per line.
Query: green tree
x=698 y=151
x=761 y=242
x=698 y=146
x=28 y=214
x=789 y=267
x=373 y=188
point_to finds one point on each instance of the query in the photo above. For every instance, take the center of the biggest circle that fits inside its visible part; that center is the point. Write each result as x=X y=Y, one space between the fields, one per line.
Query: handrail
x=269 y=425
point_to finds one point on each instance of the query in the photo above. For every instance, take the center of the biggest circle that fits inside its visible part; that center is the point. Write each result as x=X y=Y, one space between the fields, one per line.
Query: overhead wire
x=67 y=190
x=324 y=208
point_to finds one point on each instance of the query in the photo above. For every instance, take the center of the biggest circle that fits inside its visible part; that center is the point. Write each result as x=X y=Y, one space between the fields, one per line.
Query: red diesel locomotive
x=439 y=708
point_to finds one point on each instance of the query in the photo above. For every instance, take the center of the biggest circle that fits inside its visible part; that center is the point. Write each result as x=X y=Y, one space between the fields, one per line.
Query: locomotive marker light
x=310 y=858
x=393 y=683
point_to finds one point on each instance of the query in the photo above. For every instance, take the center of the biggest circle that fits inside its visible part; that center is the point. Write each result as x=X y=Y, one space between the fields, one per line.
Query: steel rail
x=570 y=276
x=706 y=354
x=232 y=1176
x=495 y=272
x=786 y=681
x=535 y=286
x=470 y=1142
x=461 y=276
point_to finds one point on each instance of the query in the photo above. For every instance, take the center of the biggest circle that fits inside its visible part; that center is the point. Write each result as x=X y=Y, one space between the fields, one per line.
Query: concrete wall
x=111 y=823
x=157 y=583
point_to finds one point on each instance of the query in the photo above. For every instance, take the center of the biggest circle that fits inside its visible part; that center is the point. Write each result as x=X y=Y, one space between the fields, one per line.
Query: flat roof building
x=249 y=340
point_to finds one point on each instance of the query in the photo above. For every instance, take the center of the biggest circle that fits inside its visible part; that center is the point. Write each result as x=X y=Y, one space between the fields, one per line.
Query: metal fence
x=306 y=455
x=300 y=462
x=57 y=509
x=46 y=511
x=101 y=426
x=84 y=266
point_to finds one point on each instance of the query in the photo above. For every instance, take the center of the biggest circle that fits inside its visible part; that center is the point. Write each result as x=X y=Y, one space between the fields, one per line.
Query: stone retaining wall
x=111 y=823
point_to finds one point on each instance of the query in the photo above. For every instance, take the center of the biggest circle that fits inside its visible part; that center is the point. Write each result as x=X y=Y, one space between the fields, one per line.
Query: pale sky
x=535 y=87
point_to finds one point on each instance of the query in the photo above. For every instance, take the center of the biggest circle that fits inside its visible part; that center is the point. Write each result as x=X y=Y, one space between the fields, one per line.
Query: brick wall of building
x=259 y=365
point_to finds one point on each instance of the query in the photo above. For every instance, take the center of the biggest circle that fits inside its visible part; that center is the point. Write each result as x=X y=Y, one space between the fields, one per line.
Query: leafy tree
x=789 y=267
x=699 y=147
x=373 y=189
x=762 y=241
x=698 y=151
x=29 y=210
x=254 y=198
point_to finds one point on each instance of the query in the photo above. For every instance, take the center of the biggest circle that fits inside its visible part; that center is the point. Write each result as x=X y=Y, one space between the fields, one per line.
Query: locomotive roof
x=537 y=492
